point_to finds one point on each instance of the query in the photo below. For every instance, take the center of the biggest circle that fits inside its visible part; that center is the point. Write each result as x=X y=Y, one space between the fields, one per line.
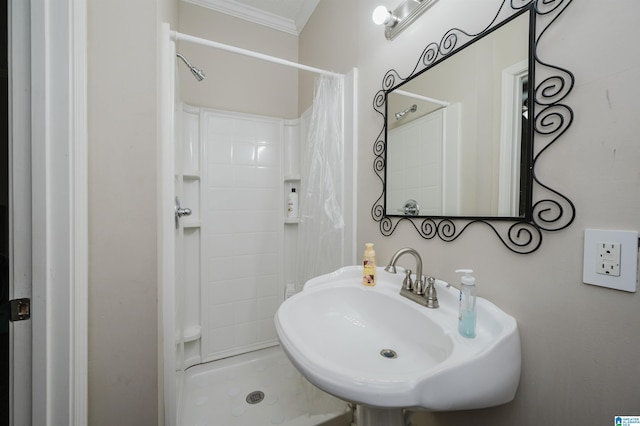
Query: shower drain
x=255 y=397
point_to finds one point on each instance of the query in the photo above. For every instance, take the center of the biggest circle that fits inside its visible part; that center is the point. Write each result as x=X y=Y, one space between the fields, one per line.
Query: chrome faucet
x=415 y=290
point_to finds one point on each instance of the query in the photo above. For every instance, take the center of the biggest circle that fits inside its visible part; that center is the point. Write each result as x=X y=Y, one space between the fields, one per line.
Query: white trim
x=39 y=313
x=260 y=16
x=59 y=213
x=451 y=160
x=350 y=111
x=510 y=133
x=166 y=235
x=20 y=346
x=79 y=193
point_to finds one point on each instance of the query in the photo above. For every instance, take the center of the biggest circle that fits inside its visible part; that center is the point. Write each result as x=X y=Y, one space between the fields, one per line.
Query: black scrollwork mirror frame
x=548 y=209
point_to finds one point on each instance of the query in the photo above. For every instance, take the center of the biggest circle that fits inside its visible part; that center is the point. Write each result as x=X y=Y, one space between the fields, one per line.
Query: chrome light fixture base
x=407 y=12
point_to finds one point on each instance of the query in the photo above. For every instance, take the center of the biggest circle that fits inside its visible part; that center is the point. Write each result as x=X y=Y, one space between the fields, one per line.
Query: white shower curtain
x=320 y=232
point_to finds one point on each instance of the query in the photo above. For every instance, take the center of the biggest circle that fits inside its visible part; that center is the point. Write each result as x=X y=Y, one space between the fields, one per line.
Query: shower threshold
x=257 y=388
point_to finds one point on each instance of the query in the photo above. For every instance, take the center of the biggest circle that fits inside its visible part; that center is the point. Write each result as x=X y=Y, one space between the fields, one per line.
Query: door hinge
x=20 y=309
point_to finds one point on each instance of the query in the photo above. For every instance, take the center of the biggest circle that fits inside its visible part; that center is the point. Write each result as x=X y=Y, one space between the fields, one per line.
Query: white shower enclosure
x=225 y=266
x=425 y=164
x=234 y=238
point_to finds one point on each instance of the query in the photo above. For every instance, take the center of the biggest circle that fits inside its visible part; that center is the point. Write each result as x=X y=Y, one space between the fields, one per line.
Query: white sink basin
x=335 y=329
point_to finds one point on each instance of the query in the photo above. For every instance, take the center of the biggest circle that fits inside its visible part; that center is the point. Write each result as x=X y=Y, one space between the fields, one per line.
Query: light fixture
x=397 y=20
x=383 y=16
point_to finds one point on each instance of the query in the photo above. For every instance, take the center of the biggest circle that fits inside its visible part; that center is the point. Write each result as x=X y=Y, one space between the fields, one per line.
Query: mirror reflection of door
x=526 y=147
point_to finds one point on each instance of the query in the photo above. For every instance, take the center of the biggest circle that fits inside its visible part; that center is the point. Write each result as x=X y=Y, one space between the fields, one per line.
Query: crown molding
x=308 y=7
x=259 y=16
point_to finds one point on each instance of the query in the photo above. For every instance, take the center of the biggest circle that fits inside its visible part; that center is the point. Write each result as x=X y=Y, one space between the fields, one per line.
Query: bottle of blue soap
x=467 y=310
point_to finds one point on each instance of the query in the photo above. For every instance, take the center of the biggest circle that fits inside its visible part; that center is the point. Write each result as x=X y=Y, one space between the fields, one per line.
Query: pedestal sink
x=373 y=347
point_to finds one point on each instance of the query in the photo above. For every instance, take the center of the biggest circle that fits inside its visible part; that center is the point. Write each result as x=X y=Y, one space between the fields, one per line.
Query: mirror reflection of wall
x=471 y=180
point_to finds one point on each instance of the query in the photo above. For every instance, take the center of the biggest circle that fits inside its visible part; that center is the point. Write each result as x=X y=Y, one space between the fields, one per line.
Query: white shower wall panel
x=415 y=169
x=242 y=250
x=190 y=156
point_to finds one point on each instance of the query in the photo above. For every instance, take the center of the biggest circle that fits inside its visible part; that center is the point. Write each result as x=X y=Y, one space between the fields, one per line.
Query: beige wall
x=579 y=342
x=234 y=82
x=122 y=78
x=328 y=41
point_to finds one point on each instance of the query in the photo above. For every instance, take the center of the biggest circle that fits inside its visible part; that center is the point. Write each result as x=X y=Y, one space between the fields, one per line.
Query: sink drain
x=389 y=353
x=255 y=397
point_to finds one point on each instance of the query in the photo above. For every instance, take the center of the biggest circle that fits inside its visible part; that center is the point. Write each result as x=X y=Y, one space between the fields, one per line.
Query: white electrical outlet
x=608 y=259
x=611 y=259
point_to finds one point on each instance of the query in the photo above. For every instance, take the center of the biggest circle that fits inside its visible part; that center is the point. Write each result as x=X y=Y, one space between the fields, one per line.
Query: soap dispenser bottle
x=369 y=265
x=467 y=309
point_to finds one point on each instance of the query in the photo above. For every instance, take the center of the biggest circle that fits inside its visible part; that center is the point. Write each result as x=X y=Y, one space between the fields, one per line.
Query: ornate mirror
x=463 y=132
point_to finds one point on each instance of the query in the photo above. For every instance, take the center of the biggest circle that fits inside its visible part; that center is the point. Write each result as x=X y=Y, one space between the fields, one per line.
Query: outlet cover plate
x=628 y=240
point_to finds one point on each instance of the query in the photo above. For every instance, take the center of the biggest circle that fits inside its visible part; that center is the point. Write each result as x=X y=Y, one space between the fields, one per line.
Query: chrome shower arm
x=197 y=73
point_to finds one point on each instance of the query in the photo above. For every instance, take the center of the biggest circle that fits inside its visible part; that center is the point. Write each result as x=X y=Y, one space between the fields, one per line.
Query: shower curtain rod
x=422 y=98
x=197 y=40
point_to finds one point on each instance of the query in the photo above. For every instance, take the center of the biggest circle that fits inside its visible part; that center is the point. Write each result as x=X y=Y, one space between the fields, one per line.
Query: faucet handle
x=418 y=286
x=430 y=293
x=407 y=284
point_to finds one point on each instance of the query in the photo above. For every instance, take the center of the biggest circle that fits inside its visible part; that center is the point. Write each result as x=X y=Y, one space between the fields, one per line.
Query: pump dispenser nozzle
x=467 y=278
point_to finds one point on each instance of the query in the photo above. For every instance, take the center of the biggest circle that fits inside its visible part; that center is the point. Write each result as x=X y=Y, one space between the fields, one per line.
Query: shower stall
x=230 y=256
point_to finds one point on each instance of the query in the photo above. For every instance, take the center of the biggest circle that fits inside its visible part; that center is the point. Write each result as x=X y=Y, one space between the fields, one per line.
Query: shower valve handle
x=179 y=212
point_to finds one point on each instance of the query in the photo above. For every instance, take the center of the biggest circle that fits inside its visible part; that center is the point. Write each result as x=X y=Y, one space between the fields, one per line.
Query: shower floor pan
x=257 y=388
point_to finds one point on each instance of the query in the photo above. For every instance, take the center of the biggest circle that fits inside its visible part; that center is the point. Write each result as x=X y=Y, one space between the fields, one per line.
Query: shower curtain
x=320 y=231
